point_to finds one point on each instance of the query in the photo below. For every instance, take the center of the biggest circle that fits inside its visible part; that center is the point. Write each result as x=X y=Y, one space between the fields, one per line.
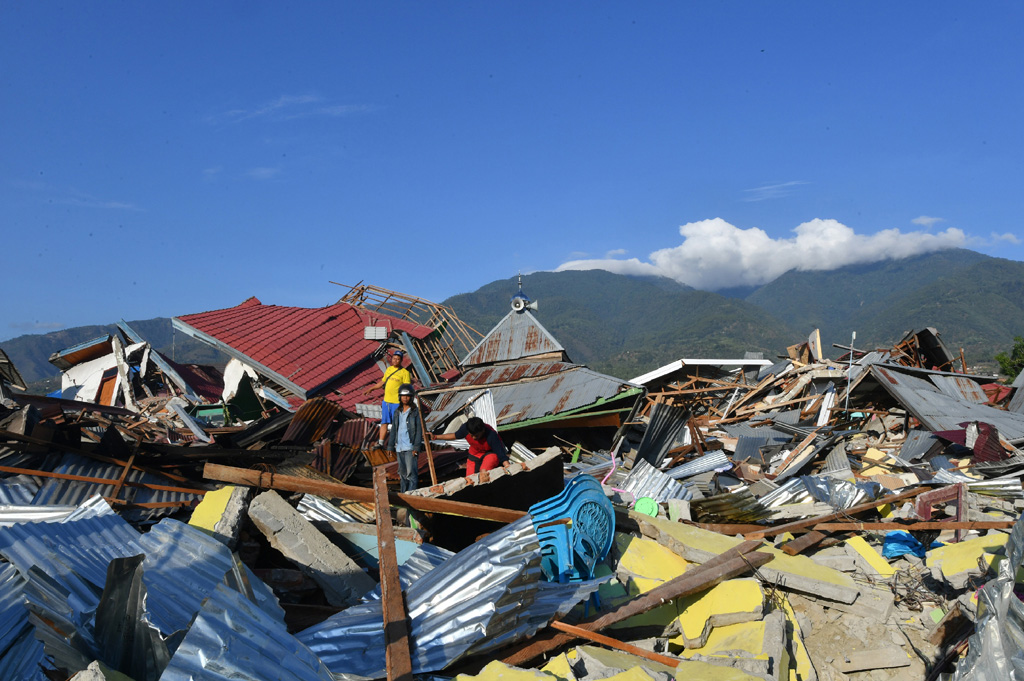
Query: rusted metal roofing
x=303 y=349
x=311 y=421
x=509 y=373
x=939 y=411
x=517 y=336
x=551 y=395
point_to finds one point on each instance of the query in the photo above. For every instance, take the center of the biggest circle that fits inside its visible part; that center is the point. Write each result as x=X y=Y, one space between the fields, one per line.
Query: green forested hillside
x=628 y=325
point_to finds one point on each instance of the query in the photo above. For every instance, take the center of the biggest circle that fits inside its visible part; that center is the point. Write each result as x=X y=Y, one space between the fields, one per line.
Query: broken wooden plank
x=398 y=660
x=288 y=483
x=919 y=525
x=803 y=542
x=729 y=564
x=99 y=481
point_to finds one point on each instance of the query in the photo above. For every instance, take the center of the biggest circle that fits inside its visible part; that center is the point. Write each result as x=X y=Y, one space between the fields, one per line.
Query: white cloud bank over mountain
x=715 y=254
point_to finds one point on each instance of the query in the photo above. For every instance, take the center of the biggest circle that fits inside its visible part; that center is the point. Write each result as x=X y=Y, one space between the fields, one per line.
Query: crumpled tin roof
x=488 y=595
x=516 y=336
x=937 y=410
x=232 y=638
x=550 y=395
x=644 y=480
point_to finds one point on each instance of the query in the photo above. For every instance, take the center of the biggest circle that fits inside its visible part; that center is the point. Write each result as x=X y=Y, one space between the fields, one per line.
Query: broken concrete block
x=592 y=662
x=559 y=667
x=221 y=512
x=880 y=658
x=872 y=558
x=758 y=648
x=342 y=580
x=961 y=561
x=731 y=602
x=678 y=509
x=800 y=661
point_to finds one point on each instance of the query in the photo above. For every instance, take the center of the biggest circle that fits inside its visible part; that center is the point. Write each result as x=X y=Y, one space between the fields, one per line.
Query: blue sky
x=159 y=159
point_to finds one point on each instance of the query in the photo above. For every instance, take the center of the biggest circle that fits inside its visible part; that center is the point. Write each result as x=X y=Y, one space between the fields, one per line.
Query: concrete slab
x=642 y=557
x=958 y=562
x=797 y=573
x=559 y=667
x=872 y=558
x=758 y=648
x=731 y=602
x=593 y=662
x=342 y=580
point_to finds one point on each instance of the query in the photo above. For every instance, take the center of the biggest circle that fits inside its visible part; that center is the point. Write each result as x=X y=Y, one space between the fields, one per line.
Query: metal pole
x=849 y=372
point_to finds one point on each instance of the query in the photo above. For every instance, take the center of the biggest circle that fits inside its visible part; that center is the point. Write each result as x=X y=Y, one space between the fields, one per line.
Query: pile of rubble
x=737 y=518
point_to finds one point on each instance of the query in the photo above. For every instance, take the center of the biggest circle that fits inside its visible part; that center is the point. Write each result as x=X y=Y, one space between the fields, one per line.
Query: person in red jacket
x=486 y=450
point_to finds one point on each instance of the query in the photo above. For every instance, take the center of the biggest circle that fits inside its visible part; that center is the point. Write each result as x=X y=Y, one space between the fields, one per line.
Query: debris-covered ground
x=740 y=518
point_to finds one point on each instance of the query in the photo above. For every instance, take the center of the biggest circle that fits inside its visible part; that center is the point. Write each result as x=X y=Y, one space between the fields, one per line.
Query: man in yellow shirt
x=394 y=377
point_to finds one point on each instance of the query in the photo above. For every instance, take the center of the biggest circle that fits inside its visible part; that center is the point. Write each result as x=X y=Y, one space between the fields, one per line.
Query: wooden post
x=398 y=661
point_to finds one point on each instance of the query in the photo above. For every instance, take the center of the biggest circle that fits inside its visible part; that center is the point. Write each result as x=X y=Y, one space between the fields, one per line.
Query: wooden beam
x=397 y=658
x=289 y=483
x=806 y=541
x=730 y=564
x=920 y=525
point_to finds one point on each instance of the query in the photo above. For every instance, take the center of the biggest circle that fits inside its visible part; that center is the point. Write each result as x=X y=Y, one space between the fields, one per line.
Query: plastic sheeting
x=997 y=647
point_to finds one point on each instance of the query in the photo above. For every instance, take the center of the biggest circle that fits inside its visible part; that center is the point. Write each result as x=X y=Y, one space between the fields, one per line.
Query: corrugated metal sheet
x=233 y=639
x=508 y=373
x=487 y=596
x=647 y=481
x=711 y=461
x=558 y=394
x=663 y=430
x=960 y=387
x=516 y=336
x=738 y=506
x=59 y=492
x=311 y=421
x=17 y=490
x=938 y=411
x=917 y=444
x=314 y=508
x=13 y=615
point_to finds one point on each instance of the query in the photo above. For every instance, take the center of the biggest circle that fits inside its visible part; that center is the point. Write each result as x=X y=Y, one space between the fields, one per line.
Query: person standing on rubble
x=406 y=438
x=394 y=377
x=486 y=450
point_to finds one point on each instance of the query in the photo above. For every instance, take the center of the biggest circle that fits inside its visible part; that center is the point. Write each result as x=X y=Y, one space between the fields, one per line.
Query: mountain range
x=625 y=325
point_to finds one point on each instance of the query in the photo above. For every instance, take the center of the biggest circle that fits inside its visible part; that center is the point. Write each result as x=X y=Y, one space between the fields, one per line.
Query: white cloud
x=616 y=252
x=263 y=173
x=1008 y=236
x=771 y=191
x=926 y=221
x=715 y=254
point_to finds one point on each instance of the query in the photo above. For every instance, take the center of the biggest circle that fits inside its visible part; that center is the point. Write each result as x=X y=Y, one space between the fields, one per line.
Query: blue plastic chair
x=575 y=529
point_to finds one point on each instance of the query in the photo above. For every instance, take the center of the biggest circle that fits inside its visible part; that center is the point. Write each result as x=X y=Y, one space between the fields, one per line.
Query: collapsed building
x=734 y=518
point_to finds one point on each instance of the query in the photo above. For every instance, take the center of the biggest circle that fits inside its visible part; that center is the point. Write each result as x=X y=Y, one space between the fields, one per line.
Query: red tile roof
x=307 y=347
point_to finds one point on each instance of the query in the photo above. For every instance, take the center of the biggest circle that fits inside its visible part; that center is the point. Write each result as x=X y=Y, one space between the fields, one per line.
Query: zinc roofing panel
x=307 y=347
x=554 y=394
x=938 y=411
x=516 y=336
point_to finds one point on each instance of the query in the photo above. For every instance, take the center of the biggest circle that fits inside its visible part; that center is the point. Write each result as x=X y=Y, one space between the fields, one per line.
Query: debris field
x=789 y=518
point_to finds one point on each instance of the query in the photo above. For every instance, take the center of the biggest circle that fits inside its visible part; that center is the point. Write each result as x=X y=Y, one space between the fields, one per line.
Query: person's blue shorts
x=387 y=410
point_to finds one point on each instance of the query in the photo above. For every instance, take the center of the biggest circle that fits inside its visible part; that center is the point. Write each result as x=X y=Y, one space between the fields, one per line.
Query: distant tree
x=1011 y=364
